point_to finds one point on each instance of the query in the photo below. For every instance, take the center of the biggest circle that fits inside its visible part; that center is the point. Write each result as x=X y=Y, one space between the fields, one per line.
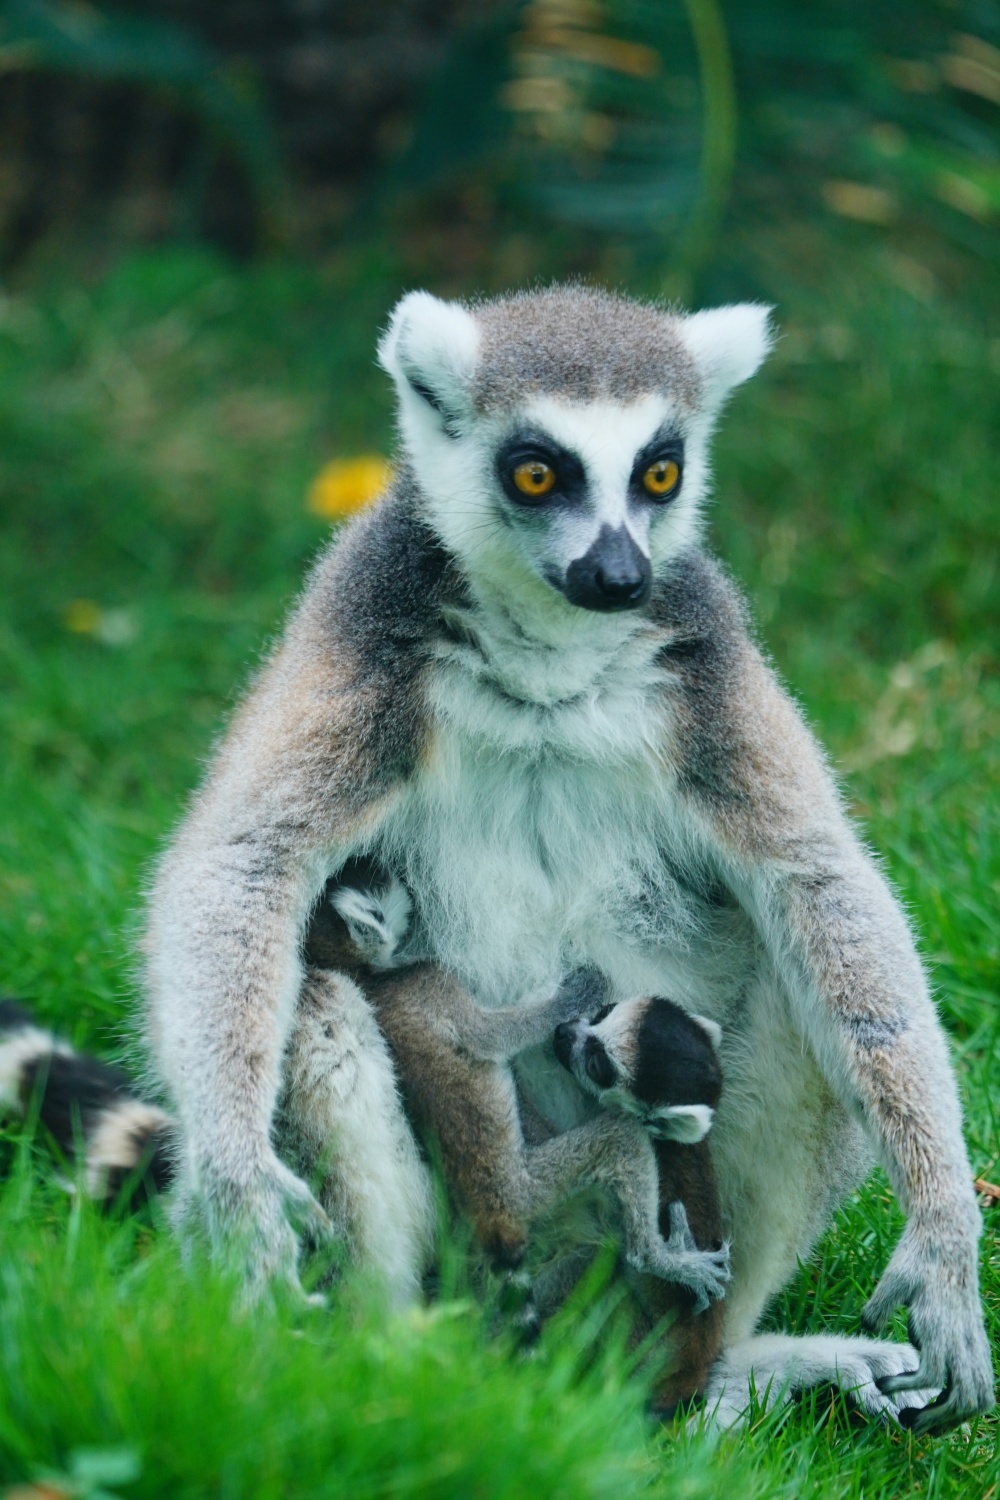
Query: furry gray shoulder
x=381 y=585
x=364 y=631
x=714 y=662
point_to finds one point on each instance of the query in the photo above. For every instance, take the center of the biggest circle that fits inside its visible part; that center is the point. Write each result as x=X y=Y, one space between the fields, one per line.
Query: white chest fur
x=543 y=831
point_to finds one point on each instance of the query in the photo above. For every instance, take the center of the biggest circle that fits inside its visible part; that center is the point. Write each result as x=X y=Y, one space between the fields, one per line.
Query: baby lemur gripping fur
x=659 y=1078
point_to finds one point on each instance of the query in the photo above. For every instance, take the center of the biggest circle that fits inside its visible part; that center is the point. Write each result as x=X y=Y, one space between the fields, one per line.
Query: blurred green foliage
x=657 y=125
x=58 y=37
x=633 y=117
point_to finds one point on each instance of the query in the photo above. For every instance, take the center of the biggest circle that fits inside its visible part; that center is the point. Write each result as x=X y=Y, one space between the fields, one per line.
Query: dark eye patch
x=531 y=446
x=602 y=1014
x=667 y=444
x=597 y=1064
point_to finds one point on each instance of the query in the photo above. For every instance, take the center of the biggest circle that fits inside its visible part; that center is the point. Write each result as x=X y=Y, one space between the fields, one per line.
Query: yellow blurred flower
x=347 y=484
x=82 y=616
x=112 y=627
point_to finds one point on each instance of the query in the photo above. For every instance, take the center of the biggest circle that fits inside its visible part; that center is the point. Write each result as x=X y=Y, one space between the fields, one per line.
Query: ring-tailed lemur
x=521 y=683
x=91 y=1110
x=651 y=1065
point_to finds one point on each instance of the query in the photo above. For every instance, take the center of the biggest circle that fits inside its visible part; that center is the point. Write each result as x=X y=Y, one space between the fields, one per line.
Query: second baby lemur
x=651 y=1065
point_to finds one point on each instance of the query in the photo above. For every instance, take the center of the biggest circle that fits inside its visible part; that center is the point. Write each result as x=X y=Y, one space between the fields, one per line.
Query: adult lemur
x=520 y=683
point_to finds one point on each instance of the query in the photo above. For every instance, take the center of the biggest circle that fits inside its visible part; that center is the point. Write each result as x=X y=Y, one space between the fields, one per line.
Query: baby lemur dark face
x=648 y=1058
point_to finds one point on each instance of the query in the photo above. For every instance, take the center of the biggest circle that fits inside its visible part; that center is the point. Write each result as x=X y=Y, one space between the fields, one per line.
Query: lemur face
x=560 y=437
x=648 y=1058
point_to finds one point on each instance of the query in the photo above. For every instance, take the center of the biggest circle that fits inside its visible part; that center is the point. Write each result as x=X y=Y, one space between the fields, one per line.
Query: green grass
x=157 y=434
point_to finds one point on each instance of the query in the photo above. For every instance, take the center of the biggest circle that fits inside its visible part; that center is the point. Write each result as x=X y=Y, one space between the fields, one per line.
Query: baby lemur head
x=650 y=1059
x=560 y=437
x=361 y=920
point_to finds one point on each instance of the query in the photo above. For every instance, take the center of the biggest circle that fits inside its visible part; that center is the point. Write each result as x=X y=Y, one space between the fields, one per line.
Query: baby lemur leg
x=694 y=1337
x=616 y=1152
x=342 y=1118
x=469 y=1106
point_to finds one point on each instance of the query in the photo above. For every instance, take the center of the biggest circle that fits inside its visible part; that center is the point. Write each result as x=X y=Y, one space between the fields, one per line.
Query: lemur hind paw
x=703 y=1272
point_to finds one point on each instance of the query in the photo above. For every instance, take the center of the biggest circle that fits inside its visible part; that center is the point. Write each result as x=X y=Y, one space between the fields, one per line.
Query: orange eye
x=534 y=478
x=660 y=478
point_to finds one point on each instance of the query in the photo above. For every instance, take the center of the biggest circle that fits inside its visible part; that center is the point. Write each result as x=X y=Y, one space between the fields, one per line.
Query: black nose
x=611 y=575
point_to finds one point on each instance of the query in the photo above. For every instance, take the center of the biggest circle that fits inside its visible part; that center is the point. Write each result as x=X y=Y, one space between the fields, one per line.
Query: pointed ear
x=688 y=1123
x=728 y=344
x=713 y=1029
x=430 y=349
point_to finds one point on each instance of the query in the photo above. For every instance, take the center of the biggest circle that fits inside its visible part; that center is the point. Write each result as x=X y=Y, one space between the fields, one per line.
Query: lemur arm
x=772 y=823
x=498 y=1035
x=226 y=917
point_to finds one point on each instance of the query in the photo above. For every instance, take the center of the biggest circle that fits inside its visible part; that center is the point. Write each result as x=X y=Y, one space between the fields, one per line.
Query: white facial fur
x=434 y=346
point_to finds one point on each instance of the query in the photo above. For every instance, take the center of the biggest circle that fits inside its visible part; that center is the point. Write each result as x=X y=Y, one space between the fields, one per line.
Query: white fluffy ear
x=728 y=344
x=430 y=349
x=688 y=1123
x=713 y=1029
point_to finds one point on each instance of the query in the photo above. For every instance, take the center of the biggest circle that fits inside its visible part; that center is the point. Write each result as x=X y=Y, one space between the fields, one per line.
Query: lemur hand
x=941 y=1292
x=704 y=1272
x=580 y=996
x=252 y=1225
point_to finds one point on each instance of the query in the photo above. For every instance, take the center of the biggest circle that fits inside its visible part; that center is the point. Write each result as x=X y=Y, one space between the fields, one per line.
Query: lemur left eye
x=661 y=478
x=598 y=1065
x=534 y=478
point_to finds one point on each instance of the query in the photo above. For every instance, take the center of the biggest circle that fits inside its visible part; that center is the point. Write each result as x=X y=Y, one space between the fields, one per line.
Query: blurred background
x=206 y=212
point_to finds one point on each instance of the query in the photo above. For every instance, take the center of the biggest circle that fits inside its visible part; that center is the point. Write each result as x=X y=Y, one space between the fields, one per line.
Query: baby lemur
x=651 y=1065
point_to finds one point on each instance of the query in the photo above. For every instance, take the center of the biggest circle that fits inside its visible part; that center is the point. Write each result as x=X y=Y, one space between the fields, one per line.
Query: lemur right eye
x=534 y=478
x=597 y=1064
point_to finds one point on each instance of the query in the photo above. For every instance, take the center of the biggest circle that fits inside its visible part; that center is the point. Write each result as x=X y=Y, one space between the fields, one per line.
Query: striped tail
x=89 y=1108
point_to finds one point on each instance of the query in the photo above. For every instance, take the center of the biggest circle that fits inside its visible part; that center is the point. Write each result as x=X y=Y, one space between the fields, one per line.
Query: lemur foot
x=254 y=1227
x=517 y=1307
x=768 y=1369
x=517 y=1303
x=946 y=1325
x=678 y=1259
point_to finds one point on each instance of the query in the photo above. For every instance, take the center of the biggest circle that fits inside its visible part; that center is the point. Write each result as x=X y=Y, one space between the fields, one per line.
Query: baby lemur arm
x=499 y=1035
x=771 y=825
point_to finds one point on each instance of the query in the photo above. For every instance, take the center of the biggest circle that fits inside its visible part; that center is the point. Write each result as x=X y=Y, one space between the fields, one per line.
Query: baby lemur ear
x=712 y=1028
x=687 y=1123
x=728 y=344
x=430 y=349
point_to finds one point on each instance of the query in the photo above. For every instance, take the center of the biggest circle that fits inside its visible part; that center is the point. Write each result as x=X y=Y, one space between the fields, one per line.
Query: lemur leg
x=773 y=1367
x=855 y=992
x=341 y=1114
x=617 y=1153
x=496 y=1035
